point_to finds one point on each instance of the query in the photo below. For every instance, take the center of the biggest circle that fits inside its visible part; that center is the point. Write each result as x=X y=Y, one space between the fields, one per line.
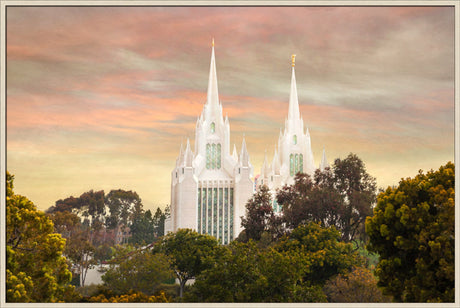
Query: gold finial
x=212 y=42
x=293 y=60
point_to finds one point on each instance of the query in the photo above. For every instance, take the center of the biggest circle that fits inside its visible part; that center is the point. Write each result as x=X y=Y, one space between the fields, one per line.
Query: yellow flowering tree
x=413 y=230
x=36 y=271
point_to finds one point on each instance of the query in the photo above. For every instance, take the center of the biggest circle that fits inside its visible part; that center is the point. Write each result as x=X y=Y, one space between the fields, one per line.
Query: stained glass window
x=231 y=214
x=209 y=210
x=199 y=209
x=214 y=208
x=300 y=162
x=291 y=164
x=220 y=212
x=213 y=127
x=226 y=215
x=213 y=156
x=296 y=166
x=218 y=155
x=203 y=230
x=294 y=139
x=208 y=156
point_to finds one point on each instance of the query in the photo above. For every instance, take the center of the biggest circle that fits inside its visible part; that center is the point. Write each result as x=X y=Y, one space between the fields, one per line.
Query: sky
x=102 y=97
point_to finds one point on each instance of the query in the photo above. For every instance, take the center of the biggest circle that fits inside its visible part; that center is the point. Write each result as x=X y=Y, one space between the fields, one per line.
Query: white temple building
x=293 y=152
x=210 y=186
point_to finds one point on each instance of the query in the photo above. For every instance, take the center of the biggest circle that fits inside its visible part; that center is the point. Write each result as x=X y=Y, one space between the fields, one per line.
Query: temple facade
x=211 y=184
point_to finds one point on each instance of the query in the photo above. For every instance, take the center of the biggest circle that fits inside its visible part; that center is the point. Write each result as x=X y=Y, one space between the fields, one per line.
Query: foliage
x=79 y=249
x=142 y=229
x=103 y=253
x=413 y=231
x=190 y=253
x=370 y=258
x=322 y=254
x=342 y=197
x=245 y=273
x=159 y=221
x=36 y=271
x=137 y=270
x=233 y=278
x=90 y=205
x=124 y=207
x=293 y=270
x=131 y=297
x=259 y=215
x=358 y=286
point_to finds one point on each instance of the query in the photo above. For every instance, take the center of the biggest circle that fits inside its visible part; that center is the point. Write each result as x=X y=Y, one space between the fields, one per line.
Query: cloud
x=101 y=95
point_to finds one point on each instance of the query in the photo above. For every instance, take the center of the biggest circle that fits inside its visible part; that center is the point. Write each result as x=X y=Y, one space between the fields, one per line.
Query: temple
x=211 y=185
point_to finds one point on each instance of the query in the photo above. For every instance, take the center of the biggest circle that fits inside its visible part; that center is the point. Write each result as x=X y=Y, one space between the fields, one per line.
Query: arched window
x=294 y=139
x=291 y=164
x=213 y=128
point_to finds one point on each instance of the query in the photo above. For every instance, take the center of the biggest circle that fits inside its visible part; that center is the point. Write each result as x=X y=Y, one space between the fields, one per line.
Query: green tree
x=142 y=229
x=36 y=271
x=358 y=286
x=137 y=270
x=293 y=270
x=190 y=253
x=323 y=254
x=247 y=273
x=234 y=277
x=124 y=206
x=413 y=231
x=159 y=222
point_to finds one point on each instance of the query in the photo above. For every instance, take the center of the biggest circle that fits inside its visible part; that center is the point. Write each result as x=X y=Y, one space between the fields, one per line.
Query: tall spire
x=188 y=155
x=234 y=154
x=265 y=166
x=276 y=163
x=324 y=164
x=294 y=112
x=244 y=155
x=213 y=94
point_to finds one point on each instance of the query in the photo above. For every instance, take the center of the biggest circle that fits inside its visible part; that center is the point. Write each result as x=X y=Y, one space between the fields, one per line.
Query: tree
x=66 y=205
x=233 y=277
x=36 y=271
x=137 y=270
x=358 y=190
x=81 y=253
x=323 y=254
x=413 y=231
x=79 y=249
x=124 y=206
x=358 y=286
x=190 y=253
x=342 y=197
x=142 y=229
x=159 y=222
x=259 y=214
x=295 y=269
